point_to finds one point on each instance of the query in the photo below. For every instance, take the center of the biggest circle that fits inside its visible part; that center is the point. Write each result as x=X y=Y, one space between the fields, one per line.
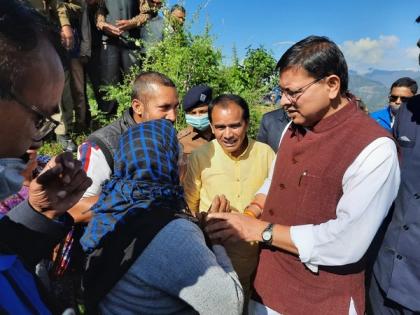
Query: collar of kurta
x=244 y=154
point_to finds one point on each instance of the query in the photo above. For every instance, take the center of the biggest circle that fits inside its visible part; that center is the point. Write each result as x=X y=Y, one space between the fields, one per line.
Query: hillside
x=387 y=77
x=374 y=94
x=373 y=87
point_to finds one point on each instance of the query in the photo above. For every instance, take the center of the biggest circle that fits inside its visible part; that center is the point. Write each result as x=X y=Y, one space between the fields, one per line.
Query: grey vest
x=397 y=268
x=107 y=138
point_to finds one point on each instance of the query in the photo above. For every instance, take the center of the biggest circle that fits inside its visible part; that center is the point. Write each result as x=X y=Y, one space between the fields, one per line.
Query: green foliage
x=53 y=148
x=252 y=79
x=259 y=69
x=190 y=59
x=50 y=148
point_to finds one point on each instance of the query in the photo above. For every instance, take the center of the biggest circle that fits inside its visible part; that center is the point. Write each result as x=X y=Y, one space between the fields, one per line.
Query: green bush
x=191 y=59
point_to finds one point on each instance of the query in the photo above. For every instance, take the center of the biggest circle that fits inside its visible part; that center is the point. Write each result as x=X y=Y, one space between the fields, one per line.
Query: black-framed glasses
x=394 y=98
x=293 y=96
x=44 y=123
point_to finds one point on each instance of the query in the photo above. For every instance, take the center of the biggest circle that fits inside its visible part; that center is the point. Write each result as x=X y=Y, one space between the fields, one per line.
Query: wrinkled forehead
x=40 y=80
x=155 y=90
x=401 y=91
x=293 y=76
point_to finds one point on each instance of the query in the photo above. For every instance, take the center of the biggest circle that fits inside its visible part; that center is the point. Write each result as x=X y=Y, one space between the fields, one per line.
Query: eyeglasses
x=293 y=96
x=44 y=123
x=394 y=98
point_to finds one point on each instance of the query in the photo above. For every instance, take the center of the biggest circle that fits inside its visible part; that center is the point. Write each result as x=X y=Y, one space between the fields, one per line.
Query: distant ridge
x=373 y=87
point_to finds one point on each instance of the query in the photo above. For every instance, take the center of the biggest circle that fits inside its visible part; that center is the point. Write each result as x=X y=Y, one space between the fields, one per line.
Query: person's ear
x=212 y=128
x=333 y=84
x=138 y=107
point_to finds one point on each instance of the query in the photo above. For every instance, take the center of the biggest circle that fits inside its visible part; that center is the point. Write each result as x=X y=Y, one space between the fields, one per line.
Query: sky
x=380 y=34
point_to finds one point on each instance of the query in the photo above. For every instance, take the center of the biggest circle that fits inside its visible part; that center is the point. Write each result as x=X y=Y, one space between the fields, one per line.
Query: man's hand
x=59 y=187
x=81 y=210
x=124 y=25
x=111 y=30
x=30 y=167
x=219 y=204
x=233 y=227
x=67 y=37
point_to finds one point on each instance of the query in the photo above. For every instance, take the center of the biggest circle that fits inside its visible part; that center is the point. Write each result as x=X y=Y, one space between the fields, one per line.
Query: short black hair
x=319 y=56
x=21 y=30
x=178 y=7
x=405 y=82
x=141 y=84
x=224 y=100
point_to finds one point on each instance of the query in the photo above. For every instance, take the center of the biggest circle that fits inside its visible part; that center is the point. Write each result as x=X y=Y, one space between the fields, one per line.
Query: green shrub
x=191 y=59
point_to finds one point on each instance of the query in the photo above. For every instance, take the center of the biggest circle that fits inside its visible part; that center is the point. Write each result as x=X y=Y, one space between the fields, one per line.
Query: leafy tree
x=259 y=69
x=193 y=59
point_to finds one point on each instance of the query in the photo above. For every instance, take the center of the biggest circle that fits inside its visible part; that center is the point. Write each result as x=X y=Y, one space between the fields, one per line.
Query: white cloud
x=412 y=52
x=367 y=50
x=284 y=43
x=383 y=52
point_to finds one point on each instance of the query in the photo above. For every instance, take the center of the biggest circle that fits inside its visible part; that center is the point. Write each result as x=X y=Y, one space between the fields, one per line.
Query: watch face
x=266 y=235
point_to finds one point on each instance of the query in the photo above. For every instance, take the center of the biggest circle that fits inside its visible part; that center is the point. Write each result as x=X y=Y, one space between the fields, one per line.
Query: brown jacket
x=54 y=10
x=191 y=139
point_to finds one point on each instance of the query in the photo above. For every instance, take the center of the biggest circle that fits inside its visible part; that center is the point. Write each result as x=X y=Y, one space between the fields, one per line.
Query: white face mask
x=10 y=176
x=394 y=109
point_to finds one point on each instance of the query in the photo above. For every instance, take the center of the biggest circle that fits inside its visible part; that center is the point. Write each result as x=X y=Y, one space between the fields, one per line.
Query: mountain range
x=373 y=87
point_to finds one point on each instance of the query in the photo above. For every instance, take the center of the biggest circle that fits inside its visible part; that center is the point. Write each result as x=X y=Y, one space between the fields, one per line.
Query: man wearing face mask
x=198 y=132
x=401 y=91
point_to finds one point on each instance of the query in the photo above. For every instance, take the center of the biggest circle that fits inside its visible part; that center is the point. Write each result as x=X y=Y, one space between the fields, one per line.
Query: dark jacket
x=29 y=234
x=26 y=236
x=107 y=137
x=397 y=266
x=271 y=128
x=120 y=10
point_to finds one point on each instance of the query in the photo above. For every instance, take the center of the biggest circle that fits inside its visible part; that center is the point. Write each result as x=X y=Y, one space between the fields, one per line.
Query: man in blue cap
x=198 y=132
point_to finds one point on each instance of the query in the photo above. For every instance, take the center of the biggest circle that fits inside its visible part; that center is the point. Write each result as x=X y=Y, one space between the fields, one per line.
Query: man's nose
x=284 y=101
x=228 y=133
x=171 y=115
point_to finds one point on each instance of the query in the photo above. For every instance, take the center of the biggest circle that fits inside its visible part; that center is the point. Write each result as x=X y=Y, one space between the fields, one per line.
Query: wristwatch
x=267 y=234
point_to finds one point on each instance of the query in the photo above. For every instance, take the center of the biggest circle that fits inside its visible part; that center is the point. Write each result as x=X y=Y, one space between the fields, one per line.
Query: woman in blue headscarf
x=147 y=254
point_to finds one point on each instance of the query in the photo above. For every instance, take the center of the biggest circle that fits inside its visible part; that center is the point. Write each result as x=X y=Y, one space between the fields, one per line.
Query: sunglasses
x=394 y=98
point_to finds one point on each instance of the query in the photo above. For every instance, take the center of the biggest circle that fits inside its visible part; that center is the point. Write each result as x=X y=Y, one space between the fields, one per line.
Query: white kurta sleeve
x=370 y=185
x=95 y=165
